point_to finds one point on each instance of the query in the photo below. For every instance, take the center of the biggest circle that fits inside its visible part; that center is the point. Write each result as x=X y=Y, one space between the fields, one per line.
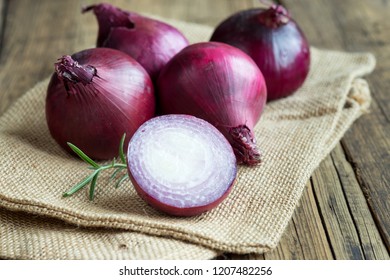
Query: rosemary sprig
x=97 y=168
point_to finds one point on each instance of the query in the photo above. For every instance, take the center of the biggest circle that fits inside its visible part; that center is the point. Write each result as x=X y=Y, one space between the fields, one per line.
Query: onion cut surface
x=181 y=165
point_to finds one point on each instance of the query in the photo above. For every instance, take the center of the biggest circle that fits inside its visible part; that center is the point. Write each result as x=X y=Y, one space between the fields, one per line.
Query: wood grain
x=359 y=26
x=305 y=238
x=368 y=234
x=344 y=210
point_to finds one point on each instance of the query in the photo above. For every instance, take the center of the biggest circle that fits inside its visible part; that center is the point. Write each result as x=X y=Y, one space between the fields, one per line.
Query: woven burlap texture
x=294 y=134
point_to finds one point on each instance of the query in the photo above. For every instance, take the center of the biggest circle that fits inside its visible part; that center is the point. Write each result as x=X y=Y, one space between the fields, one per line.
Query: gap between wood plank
x=323 y=220
x=348 y=205
x=365 y=192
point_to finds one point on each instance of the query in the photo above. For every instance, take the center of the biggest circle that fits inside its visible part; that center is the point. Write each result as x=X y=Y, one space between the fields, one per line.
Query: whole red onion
x=151 y=42
x=274 y=41
x=94 y=97
x=220 y=84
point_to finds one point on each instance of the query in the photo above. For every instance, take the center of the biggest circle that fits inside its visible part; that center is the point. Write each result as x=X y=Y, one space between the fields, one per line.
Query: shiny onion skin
x=151 y=42
x=274 y=41
x=94 y=97
x=181 y=165
x=220 y=84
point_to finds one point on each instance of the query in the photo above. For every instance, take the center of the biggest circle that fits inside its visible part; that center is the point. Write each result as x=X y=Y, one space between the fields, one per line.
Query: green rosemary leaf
x=83 y=156
x=121 y=152
x=124 y=177
x=80 y=185
x=92 y=188
x=115 y=173
x=92 y=179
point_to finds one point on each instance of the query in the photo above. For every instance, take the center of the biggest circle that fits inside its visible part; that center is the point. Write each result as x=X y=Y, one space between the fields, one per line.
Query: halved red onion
x=181 y=165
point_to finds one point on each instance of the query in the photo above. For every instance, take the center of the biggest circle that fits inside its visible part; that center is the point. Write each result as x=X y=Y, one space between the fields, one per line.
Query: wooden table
x=344 y=211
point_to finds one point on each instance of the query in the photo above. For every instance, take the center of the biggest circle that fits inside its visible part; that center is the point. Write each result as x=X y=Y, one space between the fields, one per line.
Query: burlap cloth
x=295 y=134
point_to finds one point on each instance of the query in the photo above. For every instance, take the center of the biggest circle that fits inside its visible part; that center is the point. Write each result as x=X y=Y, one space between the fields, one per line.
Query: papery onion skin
x=142 y=179
x=151 y=42
x=274 y=41
x=94 y=97
x=220 y=84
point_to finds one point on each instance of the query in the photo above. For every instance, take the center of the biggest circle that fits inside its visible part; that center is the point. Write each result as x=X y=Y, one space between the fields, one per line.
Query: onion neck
x=244 y=145
x=70 y=72
x=108 y=17
x=275 y=16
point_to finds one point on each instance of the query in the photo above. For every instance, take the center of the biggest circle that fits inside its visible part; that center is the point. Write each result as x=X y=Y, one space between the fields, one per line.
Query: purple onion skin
x=274 y=41
x=94 y=97
x=220 y=84
x=151 y=42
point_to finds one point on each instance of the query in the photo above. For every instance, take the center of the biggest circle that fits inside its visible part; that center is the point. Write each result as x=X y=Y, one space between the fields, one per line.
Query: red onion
x=274 y=41
x=220 y=84
x=181 y=165
x=151 y=42
x=94 y=97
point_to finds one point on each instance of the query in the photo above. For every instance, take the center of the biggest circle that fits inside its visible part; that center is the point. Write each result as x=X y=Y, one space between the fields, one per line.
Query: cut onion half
x=181 y=165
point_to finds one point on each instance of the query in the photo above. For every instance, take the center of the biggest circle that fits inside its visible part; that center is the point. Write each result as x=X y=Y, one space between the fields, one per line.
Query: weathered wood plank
x=32 y=43
x=367 y=145
x=335 y=213
x=360 y=26
x=305 y=237
x=371 y=166
x=351 y=229
x=370 y=239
